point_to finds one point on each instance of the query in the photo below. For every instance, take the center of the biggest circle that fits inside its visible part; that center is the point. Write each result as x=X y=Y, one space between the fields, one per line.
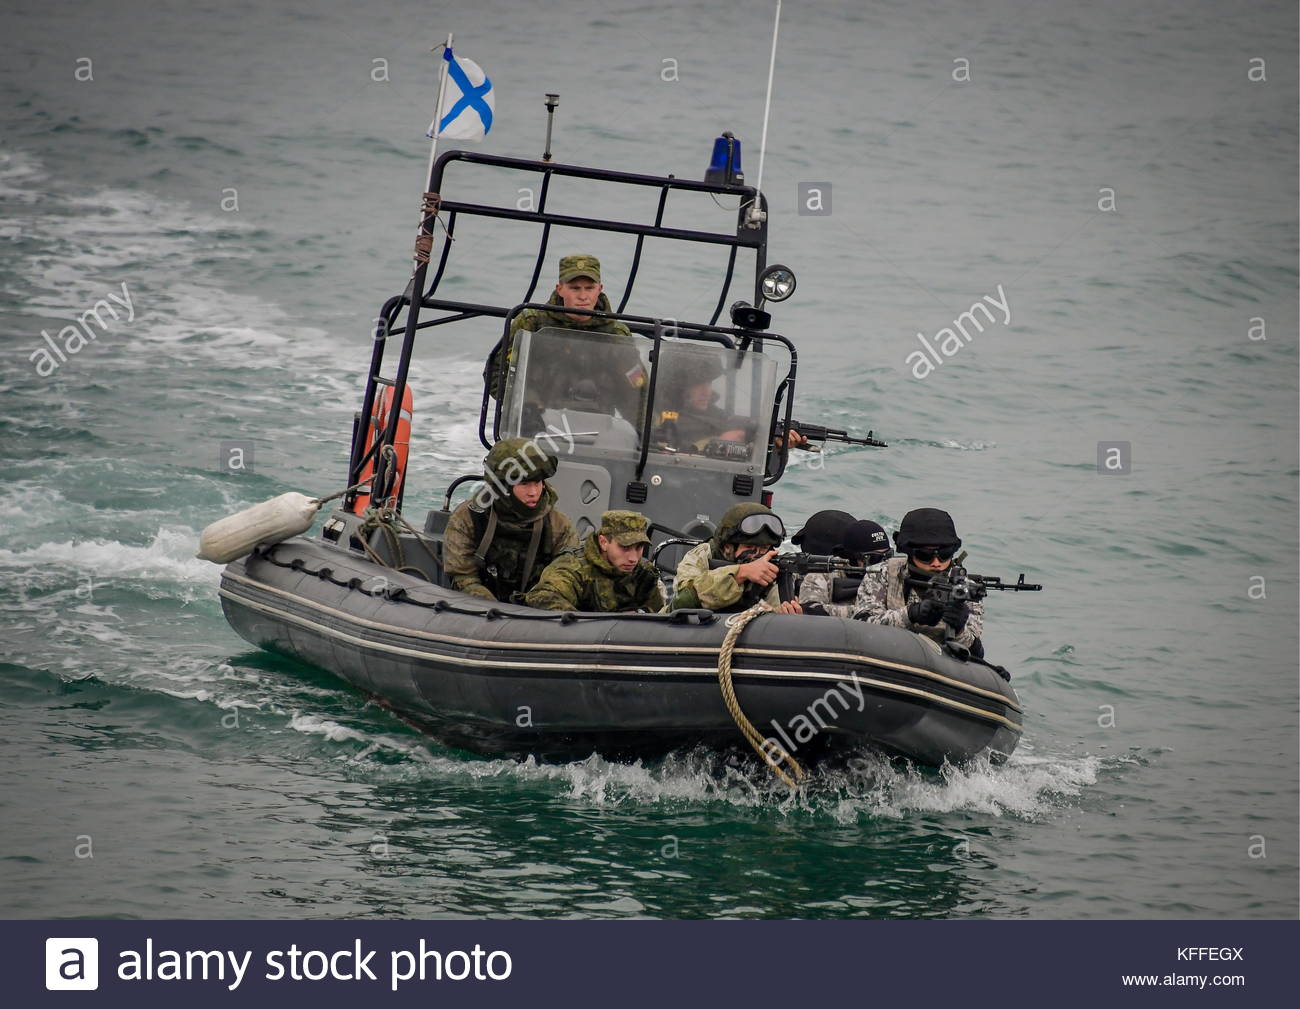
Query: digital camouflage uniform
x=501 y=573
x=883 y=599
x=618 y=377
x=859 y=541
x=816 y=587
x=584 y=580
x=697 y=586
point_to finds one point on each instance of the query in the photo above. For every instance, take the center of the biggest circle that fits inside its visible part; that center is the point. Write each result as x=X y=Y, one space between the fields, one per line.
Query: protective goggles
x=927 y=555
x=752 y=526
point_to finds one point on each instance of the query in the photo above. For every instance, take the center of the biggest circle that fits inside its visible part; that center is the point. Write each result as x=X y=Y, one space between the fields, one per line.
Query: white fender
x=269 y=522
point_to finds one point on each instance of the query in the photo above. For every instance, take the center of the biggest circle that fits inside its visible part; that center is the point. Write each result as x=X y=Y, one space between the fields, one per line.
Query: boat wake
x=162 y=565
x=863 y=785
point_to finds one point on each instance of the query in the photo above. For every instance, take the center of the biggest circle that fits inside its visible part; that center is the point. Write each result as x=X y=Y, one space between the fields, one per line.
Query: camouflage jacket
x=533 y=319
x=584 y=580
x=883 y=599
x=698 y=586
x=816 y=587
x=501 y=573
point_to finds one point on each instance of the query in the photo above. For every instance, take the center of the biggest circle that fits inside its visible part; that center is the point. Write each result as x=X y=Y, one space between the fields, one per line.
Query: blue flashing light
x=724 y=167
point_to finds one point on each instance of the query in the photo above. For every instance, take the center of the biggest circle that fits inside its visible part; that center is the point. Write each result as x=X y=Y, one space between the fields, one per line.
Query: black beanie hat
x=822 y=532
x=926 y=527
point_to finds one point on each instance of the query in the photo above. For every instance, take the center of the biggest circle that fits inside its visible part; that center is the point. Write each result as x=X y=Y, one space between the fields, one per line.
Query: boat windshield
x=711 y=404
x=592 y=385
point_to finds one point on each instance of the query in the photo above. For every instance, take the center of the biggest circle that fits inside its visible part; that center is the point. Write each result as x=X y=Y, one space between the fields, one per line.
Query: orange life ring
x=401 y=444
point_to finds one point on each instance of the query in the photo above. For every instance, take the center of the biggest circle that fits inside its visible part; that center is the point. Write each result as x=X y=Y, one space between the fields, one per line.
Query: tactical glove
x=956 y=614
x=927 y=612
x=816 y=609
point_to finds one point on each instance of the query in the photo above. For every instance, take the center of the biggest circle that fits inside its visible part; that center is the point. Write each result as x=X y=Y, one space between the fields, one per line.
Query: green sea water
x=252 y=176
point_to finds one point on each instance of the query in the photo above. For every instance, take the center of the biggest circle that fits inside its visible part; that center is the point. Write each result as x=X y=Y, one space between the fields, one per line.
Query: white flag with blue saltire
x=467 y=101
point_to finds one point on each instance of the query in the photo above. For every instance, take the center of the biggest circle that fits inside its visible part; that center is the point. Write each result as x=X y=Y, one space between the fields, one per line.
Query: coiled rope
x=736 y=624
x=385 y=520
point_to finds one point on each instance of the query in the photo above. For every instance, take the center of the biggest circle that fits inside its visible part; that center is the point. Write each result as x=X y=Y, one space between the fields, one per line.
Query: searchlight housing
x=777 y=282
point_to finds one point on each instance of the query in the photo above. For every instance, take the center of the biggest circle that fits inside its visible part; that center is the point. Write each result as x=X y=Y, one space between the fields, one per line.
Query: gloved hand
x=816 y=609
x=956 y=614
x=927 y=612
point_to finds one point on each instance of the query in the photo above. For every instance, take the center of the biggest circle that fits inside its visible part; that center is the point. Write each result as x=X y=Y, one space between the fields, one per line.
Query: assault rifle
x=788 y=565
x=957 y=584
x=818 y=433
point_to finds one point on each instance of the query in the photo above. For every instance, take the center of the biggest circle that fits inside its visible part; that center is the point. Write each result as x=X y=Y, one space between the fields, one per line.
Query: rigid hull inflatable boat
x=367 y=597
x=511 y=679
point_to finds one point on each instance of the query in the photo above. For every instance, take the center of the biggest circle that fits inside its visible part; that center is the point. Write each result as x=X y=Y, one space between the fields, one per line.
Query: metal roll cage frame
x=747 y=234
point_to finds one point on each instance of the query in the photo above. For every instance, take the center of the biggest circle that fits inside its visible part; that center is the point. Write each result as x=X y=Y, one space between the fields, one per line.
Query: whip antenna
x=755 y=214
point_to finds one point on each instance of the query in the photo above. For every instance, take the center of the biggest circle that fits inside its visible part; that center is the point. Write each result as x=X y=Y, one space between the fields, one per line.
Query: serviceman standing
x=610 y=574
x=746 y=537
x=614 y=375
x=498 y=541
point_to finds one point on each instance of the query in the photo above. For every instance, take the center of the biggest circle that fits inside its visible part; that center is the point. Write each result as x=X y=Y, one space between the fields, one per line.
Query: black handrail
x=647 y=413
x=546 y=238
x=751 y=233
x=640 y=244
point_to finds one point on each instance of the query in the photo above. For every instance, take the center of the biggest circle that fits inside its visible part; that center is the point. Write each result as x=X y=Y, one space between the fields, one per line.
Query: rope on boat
x=735 y=625
x=338 y=494
x=384 y=519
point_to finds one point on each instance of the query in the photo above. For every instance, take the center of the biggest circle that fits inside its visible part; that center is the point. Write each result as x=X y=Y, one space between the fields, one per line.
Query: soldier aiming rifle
x=956 y=586
x=791 y=567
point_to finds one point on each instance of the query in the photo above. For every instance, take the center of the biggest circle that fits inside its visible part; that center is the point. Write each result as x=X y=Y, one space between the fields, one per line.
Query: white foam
x=864 y=787
x=120 y=235
x=969 y=446
x=317 y=725
x=168 y=558
x=18 y=172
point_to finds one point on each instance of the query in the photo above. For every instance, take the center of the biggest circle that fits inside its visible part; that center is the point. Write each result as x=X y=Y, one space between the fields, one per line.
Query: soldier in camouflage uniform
x=614 y=378
x=608 y=575
x=747 y=535
x=863 y=544
x=926 y=541
x=686 y=415
x=498 y=542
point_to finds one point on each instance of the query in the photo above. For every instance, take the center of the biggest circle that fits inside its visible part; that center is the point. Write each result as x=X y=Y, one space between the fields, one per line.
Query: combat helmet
x=519 y=460
x=749 y=522
x=926 y=527
x=680 y=368
x=822 y=531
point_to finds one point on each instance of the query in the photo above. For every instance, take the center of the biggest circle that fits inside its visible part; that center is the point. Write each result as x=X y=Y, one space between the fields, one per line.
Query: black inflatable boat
x=510 y=679
x=367 y=600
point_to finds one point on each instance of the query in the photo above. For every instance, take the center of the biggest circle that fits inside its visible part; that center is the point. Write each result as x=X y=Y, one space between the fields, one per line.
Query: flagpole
x=383 y=478
x=755 y=213
x=434 y=127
